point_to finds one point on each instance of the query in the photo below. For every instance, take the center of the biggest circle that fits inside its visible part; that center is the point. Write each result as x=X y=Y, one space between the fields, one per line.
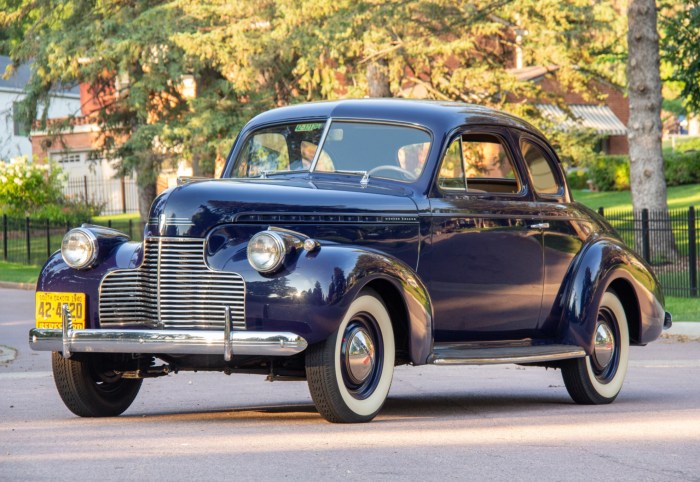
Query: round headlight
x=266 y=251
x=79 y=248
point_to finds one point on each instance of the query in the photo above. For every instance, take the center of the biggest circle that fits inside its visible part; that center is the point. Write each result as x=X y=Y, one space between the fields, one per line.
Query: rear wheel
x=90 y=388
x=349 y=374
x=598 y=378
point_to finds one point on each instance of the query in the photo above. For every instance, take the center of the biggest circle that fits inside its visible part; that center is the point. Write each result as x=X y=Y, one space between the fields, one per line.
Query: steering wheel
x=408 y=175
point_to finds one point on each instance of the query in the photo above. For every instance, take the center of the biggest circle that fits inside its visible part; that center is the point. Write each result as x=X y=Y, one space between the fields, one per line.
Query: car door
x=485 y=254
x=564 y=229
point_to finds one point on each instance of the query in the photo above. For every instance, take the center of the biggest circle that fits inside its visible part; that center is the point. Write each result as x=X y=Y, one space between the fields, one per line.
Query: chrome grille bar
x=173 y=289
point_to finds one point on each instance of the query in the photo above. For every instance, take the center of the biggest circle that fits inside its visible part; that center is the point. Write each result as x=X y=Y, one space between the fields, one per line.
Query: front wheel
x=350 y=373
x=597 y=379
x=90 y=388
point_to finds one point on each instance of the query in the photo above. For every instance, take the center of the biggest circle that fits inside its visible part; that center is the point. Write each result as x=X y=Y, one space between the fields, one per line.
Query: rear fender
x=607 y=263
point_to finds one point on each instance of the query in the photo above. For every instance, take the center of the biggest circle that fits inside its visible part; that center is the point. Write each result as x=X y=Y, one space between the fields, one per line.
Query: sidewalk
x=690 y=329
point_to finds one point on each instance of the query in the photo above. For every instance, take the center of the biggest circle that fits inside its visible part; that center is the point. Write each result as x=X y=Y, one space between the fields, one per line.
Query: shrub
x=35 y=190
x=70 y=213
x=577 y=179
x=682 y=168
x=27 y=187
x=610 y=173
x=687 y=144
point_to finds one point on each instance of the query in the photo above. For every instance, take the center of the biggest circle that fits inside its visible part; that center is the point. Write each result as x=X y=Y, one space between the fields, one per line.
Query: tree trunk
x=147 y=184
x=647 y=180
x=378 y=79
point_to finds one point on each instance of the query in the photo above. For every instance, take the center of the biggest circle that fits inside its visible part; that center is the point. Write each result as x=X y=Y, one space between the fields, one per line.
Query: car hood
x=194 y=208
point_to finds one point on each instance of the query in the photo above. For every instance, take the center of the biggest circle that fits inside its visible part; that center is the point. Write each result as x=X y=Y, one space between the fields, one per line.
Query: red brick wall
x=618 y=145
x=76 y=141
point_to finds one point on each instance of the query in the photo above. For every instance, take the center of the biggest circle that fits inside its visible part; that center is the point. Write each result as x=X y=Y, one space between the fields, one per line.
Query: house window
x=68 y=158
x=21 y=127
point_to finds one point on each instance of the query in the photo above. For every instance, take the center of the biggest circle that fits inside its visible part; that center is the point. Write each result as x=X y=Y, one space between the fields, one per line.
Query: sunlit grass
x=135 y=217
x=683 y=309
x=18 y=273
x=677 y=197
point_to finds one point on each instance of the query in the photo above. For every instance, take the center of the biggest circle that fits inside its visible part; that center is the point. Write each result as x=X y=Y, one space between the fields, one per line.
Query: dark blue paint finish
x=312 y=291
x=467 y=268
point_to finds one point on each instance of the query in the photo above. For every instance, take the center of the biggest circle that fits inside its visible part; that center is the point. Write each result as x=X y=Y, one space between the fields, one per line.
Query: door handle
x=540 y=226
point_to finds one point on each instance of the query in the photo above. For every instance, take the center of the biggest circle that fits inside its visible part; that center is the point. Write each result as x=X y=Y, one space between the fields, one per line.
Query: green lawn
x=678 y=197
x=683 y=309
x=121 y=218
x=18 y=273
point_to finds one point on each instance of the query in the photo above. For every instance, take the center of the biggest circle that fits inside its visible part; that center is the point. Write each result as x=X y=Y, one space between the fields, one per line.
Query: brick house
x=608 y=117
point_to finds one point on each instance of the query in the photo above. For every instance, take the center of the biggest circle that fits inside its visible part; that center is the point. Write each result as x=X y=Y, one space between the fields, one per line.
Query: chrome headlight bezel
x=89 y=241
x=277 y=242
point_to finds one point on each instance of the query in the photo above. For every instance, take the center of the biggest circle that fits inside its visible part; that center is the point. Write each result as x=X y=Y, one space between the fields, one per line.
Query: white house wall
x=12 y=145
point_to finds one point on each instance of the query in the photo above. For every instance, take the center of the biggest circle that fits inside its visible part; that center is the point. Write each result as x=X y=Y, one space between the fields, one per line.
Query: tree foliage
x=681 y=28
x=250 y=55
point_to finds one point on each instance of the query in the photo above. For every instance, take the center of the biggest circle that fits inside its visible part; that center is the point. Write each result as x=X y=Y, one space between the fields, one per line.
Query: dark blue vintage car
x=343 y=239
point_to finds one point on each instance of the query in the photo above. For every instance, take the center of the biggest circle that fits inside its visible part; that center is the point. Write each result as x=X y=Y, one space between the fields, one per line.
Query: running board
x=454 y=354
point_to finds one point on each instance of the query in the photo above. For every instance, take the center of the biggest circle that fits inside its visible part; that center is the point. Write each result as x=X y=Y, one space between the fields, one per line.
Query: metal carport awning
x=599 y=118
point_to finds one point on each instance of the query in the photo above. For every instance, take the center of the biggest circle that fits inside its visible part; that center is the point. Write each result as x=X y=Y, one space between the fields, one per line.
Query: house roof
x=597 y=117
x=20 y=78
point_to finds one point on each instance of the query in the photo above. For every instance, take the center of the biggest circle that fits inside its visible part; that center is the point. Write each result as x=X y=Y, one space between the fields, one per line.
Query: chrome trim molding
x=493 y=356
x=66 y=327
x=173 y=288
x=228 y=345
x=170 y=342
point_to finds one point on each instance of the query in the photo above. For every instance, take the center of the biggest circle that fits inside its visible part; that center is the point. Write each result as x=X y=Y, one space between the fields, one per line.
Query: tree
x=647 y=179
x=287 y=51
x=250 y=55
x=132 y=68
x=680 y=49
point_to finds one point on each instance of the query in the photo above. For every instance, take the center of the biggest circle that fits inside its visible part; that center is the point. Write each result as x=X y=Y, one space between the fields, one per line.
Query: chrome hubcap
x=359 y=356
x=604 y=345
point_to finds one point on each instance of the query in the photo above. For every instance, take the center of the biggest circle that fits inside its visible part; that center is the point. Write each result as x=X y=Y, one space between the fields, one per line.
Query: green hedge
x=612 y=173
x=682 y=168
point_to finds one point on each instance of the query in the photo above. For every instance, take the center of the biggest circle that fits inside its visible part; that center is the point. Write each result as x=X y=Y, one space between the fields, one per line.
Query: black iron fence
x=112 y=196
x=31 y=241
x=668 y=240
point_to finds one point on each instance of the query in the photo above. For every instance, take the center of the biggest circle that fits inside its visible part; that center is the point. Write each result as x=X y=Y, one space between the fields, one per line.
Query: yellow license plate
x=49 y=307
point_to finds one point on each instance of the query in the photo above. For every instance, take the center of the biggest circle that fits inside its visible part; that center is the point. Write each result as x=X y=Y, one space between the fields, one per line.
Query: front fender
x=602 y=263
x=311 y=294
x=57 y=276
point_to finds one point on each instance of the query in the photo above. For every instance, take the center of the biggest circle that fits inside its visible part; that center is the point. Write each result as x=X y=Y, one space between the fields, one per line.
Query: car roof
x=439 y=116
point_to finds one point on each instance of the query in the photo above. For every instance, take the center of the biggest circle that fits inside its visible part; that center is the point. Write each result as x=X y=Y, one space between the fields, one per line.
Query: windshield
x=378 y=150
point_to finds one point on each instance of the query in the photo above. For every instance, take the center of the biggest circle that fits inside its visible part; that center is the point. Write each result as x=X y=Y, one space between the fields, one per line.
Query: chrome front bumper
x=166 y=342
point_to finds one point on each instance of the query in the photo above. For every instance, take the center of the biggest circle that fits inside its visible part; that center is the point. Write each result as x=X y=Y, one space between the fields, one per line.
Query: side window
x=487 y=166
x=451 y=177
x=543 y=179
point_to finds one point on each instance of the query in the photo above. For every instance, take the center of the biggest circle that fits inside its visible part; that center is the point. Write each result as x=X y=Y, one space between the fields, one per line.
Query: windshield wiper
x=266 y=174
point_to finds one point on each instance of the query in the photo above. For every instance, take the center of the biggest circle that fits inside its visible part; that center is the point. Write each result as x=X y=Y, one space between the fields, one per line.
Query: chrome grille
x=173 y=288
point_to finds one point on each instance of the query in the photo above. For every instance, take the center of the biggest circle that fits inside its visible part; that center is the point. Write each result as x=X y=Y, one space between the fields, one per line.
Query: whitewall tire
x=598 y=378
x=349 y=374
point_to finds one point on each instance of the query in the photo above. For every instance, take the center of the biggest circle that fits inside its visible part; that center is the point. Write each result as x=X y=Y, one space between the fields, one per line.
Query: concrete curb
x=690 y=329
x=17 y=286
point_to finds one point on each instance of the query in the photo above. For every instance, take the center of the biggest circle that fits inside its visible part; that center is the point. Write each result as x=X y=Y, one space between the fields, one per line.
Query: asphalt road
x=469 y=423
